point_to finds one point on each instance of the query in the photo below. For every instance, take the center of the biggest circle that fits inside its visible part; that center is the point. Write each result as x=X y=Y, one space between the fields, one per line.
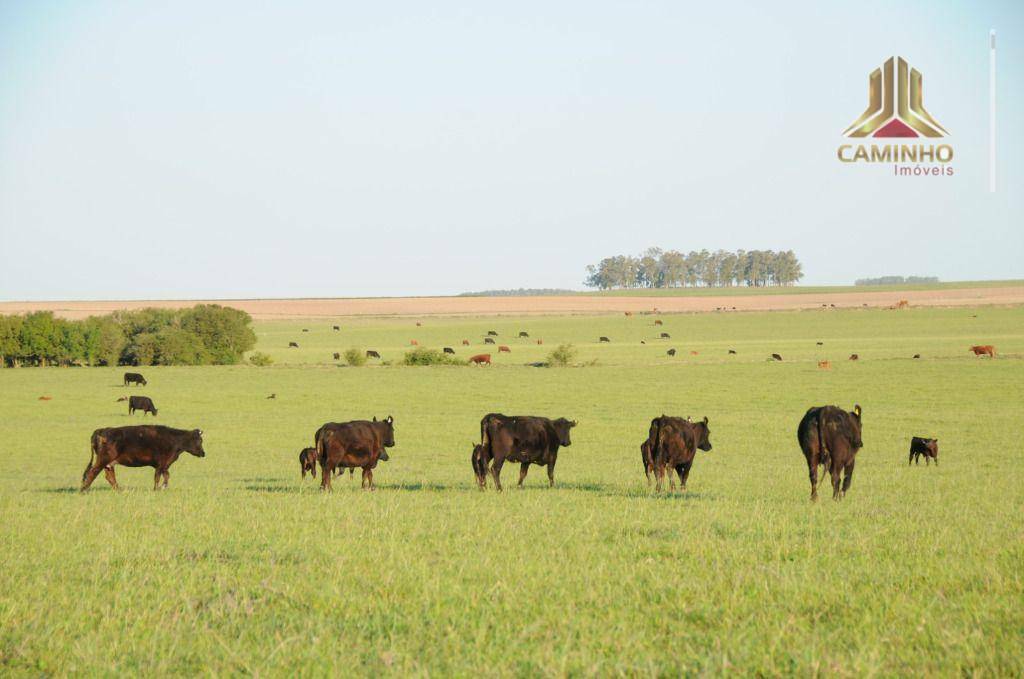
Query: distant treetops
x=206 y=334
x=657 y=268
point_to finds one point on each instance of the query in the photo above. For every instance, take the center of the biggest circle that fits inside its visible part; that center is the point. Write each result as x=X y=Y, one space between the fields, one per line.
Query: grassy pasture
x=241 y=568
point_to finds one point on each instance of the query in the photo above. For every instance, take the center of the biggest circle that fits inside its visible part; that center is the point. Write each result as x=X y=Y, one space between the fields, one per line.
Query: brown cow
x=418 y=324
x=628 y=313
x=307 y=460
x=922 y=446
x=647 y=459
x=902 y=304
x=353 y=444
x=520 y=438
x=984 y=350
x=147 y=445
x=673 y=442
x=830 y=436
x=693 y=353
x=658 y=322
x=540 y=341
x=503 y=349
x=337 y=356
x=414 y=343
x=465 y=343
x=854 y=357
x=480 y=359
x=825 y=365
x=143 y=403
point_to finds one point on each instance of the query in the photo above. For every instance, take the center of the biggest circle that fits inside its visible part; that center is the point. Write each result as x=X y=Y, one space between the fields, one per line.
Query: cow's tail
x=321 y=448
x=94 y=444
x=656 y=444
x=485 y=445
x=824 y=455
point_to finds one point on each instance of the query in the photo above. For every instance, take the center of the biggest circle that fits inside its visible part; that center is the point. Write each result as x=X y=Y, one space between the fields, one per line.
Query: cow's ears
x=856 y=411
x=390 y=419
x=573 y=423
x=374 y=418
x=199 y=431
x=705 y=419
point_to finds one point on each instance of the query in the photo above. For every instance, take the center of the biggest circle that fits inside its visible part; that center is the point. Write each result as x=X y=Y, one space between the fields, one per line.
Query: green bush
x=355 y=357
x=260 y=360
x=562 y=355
x=424 y=356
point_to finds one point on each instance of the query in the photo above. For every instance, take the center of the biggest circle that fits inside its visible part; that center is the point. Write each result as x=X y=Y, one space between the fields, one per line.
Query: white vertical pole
x=992 y=112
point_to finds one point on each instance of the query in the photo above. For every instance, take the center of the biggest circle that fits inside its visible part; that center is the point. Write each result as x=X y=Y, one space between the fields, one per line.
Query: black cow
x=518 y=438
x=672 y=442
x=665 y=335
x=370 y=353
x=353 y=444
x=337 y=327
x=449 y=350
x=337 y=356
x=488 y=340
x=293 y=345
x=603 y=339
x=671 y=352
x=307 y=460
x=776 y=357
x=922 y=446
x=143 y=403
x=492 y=333
x=523 y=333
x=830 y=436
x=148 y=445
x=134 y=378
x=732 y=351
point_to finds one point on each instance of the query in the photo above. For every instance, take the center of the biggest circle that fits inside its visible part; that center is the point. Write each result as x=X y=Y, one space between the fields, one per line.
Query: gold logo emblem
x=894 y=105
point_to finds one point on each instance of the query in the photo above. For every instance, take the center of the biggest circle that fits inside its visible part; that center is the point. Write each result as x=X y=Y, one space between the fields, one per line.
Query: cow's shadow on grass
x=71 y=489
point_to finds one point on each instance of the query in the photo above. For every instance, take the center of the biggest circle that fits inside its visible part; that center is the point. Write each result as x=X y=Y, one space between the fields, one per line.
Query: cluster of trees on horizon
x=657 y=268
x=896 y=280
x=206 y=334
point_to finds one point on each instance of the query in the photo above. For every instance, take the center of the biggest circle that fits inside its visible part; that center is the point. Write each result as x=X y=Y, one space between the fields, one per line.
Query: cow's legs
x=659 y=474
x=812 y=473
x=910 y=460
x=523 y=468
x=167 y=477
x=684 y=472
x=836 y=472
x=156 y=478
x=89 y=476
x=551 y=475
x=848 y=477
x=496 y=473
x=325 y=476
x=108 y=471
x=368 y=478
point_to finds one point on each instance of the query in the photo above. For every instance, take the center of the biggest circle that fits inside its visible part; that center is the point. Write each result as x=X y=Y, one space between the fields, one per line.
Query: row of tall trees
x=203 y=335
x=657 y=268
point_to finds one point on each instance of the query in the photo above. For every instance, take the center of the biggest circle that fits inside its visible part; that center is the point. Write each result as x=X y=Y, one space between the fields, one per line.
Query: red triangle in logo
x=895 y=128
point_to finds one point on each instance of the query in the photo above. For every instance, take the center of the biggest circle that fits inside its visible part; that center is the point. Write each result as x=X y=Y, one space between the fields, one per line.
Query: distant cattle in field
x=665 y=335
x=519 y=438
x=488 y=340
x=354 y=444
x=854 y=357
x=134 y=378
x=693 y=353
x=307 y=461
x=523 y=333
x=143 y=403
x=902 y=304
x=123 y=398
x=272 y=396
x=336 y=356
x=732 y=351
x=370 y=353
x=642 y=342
x=832 y=305
x=449 y=350
x=337 y=327
x=540 y=341
x=418 y=324
x=830 y=436
x=465 y=343
x=492 y=333
x=305 y=330
x=140 y=446
x=414 y=343
x=671 y=352
x=825 y=365
x=658 y=322
x=919 y=446
x=917 y=355
x=45 y=398
x=672 y=443
x=480 y=359
x=984 y=350
x=628 y=313
x=603 y=339
x=294 y=345
x=821 y=344
x=503 y=349
x=776 y=357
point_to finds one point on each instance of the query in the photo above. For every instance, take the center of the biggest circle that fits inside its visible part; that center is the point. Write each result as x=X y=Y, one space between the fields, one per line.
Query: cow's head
x=389 y=435
x=933 y=445
x=854 y=418
x=703 y=435
x=154 y=411
x=194 y=444
x=562 y=427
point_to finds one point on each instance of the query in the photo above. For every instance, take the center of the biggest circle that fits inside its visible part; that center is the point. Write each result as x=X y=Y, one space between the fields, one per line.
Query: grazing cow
x=984 y=350
x=503 y=349
x=825 y=365
x=820 y=344
x=272 y=396
x=776 y=357
x=353 y=444
x=480 y=359
x=540 y=341
x=658 y=322
x=418 y=324
x=492 y=333
x=854 y=357
x=523 y=439
x=478 y=461
x=337 y=356
x=123 y=398
x=628 y=313
x=307 y=460
x=665 y=335
x=671 y=352
x=449 y=350
x=603 y=339
x=732 y=351
x=693 y=353
x=488 y=340
x=672 y=442
x=370 y=353
x=134 y=378
x=45 y=398
x=523 y=333
x=917 y=355
x=337 y=327
x=147 y=445
x=647 y=459
x=902 y=304
x=305 y=330
x=143 y=403
x=465 y=343
x=830 y=436
x=921 y=446
x=414 y=343
x=293 y=345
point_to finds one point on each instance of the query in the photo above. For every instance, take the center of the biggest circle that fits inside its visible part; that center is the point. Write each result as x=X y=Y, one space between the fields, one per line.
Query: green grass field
x=242 y=568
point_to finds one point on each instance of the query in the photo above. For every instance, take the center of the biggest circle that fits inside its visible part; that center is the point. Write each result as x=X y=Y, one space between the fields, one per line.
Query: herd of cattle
x=828 y=436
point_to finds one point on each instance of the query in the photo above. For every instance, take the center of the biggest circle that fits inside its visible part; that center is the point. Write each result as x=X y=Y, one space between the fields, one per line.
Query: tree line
x=657 y=268
x=206 y=334
x=896 y=280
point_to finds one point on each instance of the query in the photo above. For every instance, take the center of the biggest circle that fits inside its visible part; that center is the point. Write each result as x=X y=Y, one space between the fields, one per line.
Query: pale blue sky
x=242 y=149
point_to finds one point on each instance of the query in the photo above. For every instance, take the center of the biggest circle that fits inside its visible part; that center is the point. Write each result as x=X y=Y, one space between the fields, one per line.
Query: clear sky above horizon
x=245 y=149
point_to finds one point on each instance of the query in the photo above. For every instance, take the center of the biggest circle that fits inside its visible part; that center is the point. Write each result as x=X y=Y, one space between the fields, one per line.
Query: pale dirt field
x=516 y=306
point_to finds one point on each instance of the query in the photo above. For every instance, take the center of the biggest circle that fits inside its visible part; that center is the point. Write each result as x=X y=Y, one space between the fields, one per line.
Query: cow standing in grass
x=353 y=444
x=520 y=438
x=830 y=436
x=147 y=445
x=307 y=460
x=672 y=443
